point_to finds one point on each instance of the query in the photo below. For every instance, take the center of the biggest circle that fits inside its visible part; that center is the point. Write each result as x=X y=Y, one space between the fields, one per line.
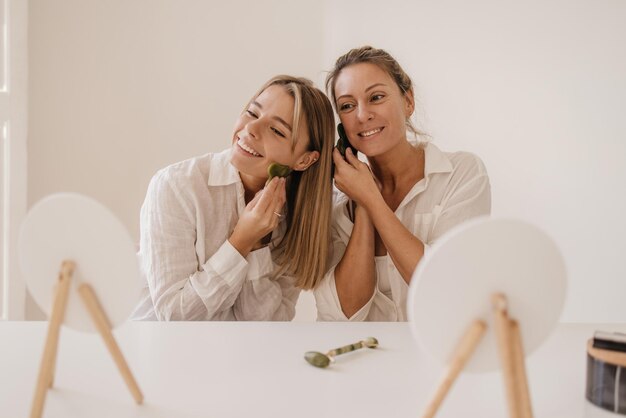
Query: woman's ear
x=306 y=160
x=409 y=103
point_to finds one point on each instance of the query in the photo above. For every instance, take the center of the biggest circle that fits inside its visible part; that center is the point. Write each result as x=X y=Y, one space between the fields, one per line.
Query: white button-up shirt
x=454 y=189
x=190 y=269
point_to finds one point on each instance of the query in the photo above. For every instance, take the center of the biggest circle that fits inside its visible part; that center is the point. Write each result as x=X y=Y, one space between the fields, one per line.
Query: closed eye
x=277 y=132
x=252 y=114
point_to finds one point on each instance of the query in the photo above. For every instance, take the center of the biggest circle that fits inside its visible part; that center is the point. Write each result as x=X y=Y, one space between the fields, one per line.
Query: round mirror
x=453 y=284
x=68 y=226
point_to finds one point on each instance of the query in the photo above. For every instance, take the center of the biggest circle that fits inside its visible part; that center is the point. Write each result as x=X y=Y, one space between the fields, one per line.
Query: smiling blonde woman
x=217 y=242
x=407 y=196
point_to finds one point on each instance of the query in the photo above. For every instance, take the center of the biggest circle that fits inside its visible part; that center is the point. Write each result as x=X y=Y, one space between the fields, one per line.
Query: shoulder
x=198 y=173
x=183 y=172
x=178 y=188
x=181 y=182
x=467 y=163
x=461 y=163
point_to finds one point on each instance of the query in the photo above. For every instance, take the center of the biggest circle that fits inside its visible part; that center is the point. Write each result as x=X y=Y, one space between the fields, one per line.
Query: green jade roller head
x=323 y=360
x=277 y=170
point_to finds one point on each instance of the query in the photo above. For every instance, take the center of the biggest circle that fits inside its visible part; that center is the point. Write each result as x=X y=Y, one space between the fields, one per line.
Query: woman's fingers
x=260 y=216
x=278 y=199
x=252 y=204
x=354 y=160
x=355 y=179
x=350 y=156
x=271 y=204
x=267 y=195
x=275 y=210
x=282 y=195
x=338 y=159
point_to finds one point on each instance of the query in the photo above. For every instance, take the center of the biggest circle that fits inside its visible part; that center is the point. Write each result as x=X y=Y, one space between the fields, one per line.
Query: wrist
x=363 y=224
x=262 y=243
x=361 y=216
x=373 y=204
x=258 y=246
x=242 y=246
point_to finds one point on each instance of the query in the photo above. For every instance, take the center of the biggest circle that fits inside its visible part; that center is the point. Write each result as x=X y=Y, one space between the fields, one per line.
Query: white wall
x=538 y=90
x=120 y=88
x=13 y=124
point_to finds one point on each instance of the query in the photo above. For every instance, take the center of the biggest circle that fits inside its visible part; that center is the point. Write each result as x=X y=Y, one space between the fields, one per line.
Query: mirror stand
x=511 y=358
x=45 y=379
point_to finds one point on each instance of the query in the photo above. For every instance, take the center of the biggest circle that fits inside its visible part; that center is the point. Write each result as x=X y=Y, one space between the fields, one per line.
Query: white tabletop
x=219 y=369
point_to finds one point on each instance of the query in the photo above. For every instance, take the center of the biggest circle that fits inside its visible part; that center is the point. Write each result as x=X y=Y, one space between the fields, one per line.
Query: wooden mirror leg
x=505 y=347
x=462 y=354
x=56 y=346
x=103 y=325
x=520 y=371
x=46 y=370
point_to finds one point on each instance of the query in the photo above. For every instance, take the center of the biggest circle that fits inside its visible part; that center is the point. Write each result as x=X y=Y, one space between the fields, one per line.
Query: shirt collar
x=221 y=171
x=435 y=160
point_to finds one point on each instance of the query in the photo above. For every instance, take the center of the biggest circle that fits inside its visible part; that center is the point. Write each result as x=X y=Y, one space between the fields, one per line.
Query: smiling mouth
x=369 y=133
x=247 y=149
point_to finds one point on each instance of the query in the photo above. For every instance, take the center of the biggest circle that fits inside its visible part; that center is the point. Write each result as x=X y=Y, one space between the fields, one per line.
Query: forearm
x=181 y=302
x=181 y=290
x=403 y=247
x=188 y=301
x=267 y=299
x=355 y=275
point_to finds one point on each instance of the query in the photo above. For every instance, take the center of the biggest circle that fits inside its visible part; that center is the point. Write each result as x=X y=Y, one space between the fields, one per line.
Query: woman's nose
x=364 y=114
x=252 y=129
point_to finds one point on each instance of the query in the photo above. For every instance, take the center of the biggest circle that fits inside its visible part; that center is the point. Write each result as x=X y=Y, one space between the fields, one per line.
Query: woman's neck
x=251 y=185
x=402 y=165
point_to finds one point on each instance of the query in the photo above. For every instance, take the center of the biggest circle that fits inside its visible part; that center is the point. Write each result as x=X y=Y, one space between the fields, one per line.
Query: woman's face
x=263 y=134
x=372 y=108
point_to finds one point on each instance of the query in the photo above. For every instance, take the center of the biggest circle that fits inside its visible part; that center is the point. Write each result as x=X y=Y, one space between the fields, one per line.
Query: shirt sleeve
x=262 y=297
x=181 y=289
x=468 y=196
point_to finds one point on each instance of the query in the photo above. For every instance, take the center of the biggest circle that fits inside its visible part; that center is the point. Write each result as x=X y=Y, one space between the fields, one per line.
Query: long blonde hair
x=304 y=249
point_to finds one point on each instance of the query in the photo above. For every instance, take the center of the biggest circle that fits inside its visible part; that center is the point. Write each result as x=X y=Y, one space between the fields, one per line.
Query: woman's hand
x=260 y=217
x=354 y=178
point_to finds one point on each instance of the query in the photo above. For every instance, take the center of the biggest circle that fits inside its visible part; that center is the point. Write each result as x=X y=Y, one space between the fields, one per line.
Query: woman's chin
x=236 y=162
x=248 y=170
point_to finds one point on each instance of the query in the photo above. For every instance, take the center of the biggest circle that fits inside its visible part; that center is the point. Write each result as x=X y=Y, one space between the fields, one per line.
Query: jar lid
x=617 y=358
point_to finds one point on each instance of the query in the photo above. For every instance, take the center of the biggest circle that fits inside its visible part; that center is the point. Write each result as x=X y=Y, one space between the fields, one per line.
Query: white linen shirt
x=454 y=189
x=190 y=270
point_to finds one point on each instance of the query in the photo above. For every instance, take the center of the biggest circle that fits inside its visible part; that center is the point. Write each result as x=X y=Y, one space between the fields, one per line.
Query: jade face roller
x=323 y=360
x=277 y=170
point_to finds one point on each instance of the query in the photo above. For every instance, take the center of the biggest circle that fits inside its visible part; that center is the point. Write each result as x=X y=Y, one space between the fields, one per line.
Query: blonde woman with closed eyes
x=217 y=242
